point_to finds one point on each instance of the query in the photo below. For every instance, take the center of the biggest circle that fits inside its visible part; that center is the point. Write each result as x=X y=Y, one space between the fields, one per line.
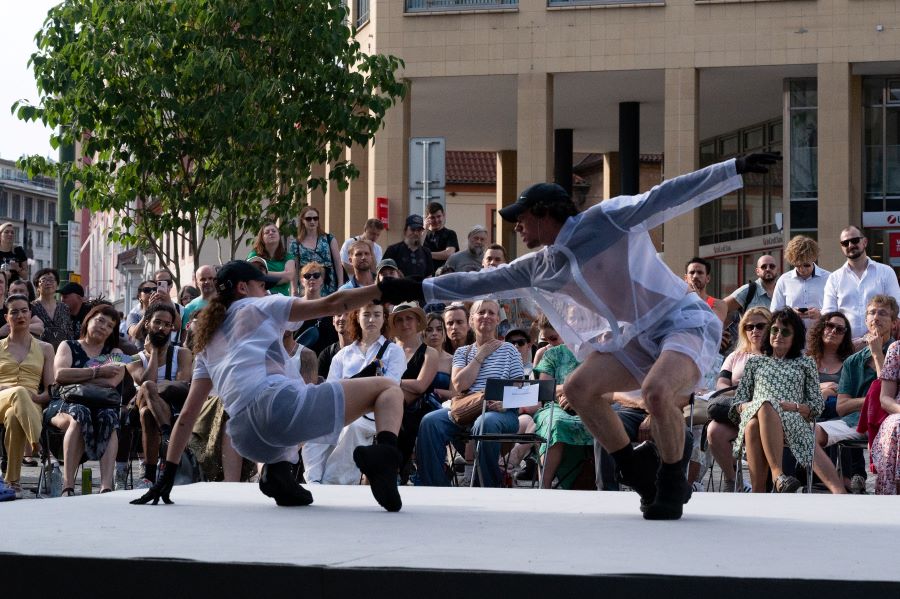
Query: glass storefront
x=881 y=144
x=804 y=156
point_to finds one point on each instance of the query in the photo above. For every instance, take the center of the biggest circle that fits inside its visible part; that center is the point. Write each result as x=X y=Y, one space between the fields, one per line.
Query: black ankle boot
x=672 y=492
x=640 y=472
x=381 y=465
x=277 y=481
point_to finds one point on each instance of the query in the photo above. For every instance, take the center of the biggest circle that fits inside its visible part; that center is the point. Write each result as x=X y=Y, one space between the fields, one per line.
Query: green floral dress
x=772 y=380
x=559 y=362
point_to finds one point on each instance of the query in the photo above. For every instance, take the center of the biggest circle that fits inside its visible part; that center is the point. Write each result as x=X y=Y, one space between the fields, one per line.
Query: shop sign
x=742 y=246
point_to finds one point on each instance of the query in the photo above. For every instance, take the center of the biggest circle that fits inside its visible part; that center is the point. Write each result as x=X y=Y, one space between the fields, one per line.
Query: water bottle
x=54 y=479
x=86 y=483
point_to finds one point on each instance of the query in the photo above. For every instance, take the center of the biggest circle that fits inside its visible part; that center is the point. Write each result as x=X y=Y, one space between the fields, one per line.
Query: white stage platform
x=459 y=542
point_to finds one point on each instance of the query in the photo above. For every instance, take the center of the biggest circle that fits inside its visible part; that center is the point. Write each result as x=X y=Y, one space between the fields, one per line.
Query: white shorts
x=691 y=329
x=838 y=430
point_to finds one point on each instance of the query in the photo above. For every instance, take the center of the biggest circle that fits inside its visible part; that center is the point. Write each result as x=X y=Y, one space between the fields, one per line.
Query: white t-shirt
x=246 y=355
x=345 y=251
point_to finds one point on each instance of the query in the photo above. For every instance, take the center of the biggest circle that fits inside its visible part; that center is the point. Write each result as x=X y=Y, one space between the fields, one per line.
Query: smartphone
x=162 y=286
x=802 y=310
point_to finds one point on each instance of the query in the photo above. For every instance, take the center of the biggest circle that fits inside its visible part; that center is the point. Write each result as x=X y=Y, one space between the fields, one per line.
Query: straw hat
x=409 y=307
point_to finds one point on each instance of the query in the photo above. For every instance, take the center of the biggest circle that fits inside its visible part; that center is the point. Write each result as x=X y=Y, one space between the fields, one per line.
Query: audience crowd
x=808 y=366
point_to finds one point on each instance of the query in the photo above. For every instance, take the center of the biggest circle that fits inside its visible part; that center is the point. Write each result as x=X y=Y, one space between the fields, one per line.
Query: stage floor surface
x=562 y=533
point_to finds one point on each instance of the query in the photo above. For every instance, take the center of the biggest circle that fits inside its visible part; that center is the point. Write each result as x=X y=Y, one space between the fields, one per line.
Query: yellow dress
x=18 y=412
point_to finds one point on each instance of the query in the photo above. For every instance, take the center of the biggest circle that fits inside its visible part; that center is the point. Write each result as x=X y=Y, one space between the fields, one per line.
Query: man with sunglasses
x=767 y=276
x=620 y=308
x=851 y=287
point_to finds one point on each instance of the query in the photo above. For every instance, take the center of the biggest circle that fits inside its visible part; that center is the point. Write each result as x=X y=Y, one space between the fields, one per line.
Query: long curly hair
x=817 y=345
x=209 y=319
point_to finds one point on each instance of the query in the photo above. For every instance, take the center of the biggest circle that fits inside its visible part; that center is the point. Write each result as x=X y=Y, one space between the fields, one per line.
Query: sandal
x=67 y=492
x=31 y=462
x=102 y=491
x=787 y=484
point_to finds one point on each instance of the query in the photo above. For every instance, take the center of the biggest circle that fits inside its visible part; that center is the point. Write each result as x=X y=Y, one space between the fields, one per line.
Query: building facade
x=30 y=204
x=694 y=81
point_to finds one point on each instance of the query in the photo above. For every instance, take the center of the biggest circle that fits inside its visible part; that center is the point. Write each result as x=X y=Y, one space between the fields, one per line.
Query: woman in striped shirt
x=473 y=365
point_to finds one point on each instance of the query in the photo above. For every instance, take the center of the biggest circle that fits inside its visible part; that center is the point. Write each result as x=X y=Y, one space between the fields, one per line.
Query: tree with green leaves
x=201 y=118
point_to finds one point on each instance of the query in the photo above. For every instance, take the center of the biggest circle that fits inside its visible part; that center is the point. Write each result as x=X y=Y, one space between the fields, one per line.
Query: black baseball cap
x=548 y=192
x=232 y=273
x=72 y=288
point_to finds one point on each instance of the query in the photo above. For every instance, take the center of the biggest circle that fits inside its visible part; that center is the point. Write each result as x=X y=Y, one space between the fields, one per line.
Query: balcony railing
x=449 y=5
x=564 y=3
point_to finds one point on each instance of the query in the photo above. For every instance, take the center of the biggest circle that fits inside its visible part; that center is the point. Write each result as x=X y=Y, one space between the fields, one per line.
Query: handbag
x=465 y=409
x=94 y=397
x=720 y=404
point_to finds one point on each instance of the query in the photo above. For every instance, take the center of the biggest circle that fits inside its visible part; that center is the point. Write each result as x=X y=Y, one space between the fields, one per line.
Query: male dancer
x=237 y=338
x=620 y=309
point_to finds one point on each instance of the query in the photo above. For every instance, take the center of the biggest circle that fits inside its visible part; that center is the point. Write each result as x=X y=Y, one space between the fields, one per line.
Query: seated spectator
x=547 y=338
x=26 y=365
x=279 y=262
x=162 y=375
x=312 y=276
x=303 y=358
x=340 y=322
x=90 y=433
x=407 y=321
x=55 y=315
x=473 y=365
x=886 y=443
x=371 y=232
x=333 y=464
x=456 y=326
x=21 y=287
x=830 y=343
x=470 y=259
x=435 y=337
x=752 y=331
x=777 y=397
x=858 y=373
x=521 y=339
x=72 y=295
x=165 y=285
x=387 y=268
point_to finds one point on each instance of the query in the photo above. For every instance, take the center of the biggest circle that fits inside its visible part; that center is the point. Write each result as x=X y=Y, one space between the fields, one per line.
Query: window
x=39 y=213
x=4 y=204
x=51 y=212
x=16 y=207
x=40 y=239
x=29 y=209
x=804 y=175
x=881 y=142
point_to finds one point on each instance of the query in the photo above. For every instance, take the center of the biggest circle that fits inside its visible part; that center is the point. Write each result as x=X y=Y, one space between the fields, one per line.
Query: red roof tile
x=471 y=167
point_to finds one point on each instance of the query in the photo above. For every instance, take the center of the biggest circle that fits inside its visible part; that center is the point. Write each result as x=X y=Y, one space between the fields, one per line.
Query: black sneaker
x=672 y=492
x=641 y=473
x=277 y=481
x=381 y=465
x=528 y=471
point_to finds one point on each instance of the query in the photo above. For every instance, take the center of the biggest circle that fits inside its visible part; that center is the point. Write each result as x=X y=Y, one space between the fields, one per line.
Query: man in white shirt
x=620 y=309
x=851 y=286
x=371 y=232
x=803 y=287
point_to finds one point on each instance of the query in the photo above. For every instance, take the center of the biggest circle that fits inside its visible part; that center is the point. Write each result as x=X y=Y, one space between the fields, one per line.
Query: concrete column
x=611 y=179
x=335 y=215
x=562 y=158
x=316 y=197
x=358 y=206
x=507 y=193
x=534 y=133
x=682 y=155
x=840 y=157
x=629 y=147
x=389 y=167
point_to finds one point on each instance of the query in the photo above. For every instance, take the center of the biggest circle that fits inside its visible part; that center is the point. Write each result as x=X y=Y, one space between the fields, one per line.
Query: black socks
x=386 y=438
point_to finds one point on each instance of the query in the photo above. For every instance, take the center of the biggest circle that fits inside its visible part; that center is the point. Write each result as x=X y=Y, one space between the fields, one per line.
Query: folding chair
x=517 y=393
x=849 y=444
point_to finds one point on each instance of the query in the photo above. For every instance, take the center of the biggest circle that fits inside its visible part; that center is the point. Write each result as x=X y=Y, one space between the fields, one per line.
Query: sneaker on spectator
x=20 y=492
x=528 y=470
x=6 y=492
x=858 y=484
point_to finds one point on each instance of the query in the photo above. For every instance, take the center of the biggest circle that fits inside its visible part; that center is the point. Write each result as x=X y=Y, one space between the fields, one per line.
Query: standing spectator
x=473 y=365
x=313 y=244
x=146 y=291
x=803 y=287
x=164 y=288
x=439 y=240
x=697 y=275
x=371 y=232
x=12 y=257
x=851 y=287
x=205 y=277
x=311 y=277
x=55 y=315
x=517 y=313
x=90 y=432
x=387 y=268
x=412 y=259
x=25 y=365
x=470 y=260
x=72 y=295
x=279 y=263
x=360 y=265
x=494 y=255
x=763 y=287
x=188 y=294
x=345 y=338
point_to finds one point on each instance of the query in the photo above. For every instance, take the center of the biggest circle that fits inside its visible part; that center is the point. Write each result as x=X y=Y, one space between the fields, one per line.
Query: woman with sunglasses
x=777 y=397
x=312 y=276
x=313 y=244
x=751 y=333
x=55 y=315
x=279 y=262
x=830 y=343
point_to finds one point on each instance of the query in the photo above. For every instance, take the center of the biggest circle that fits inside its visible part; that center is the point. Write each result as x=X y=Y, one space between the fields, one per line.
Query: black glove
x=162 y=487
x=395 y=291
x=756 y=163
